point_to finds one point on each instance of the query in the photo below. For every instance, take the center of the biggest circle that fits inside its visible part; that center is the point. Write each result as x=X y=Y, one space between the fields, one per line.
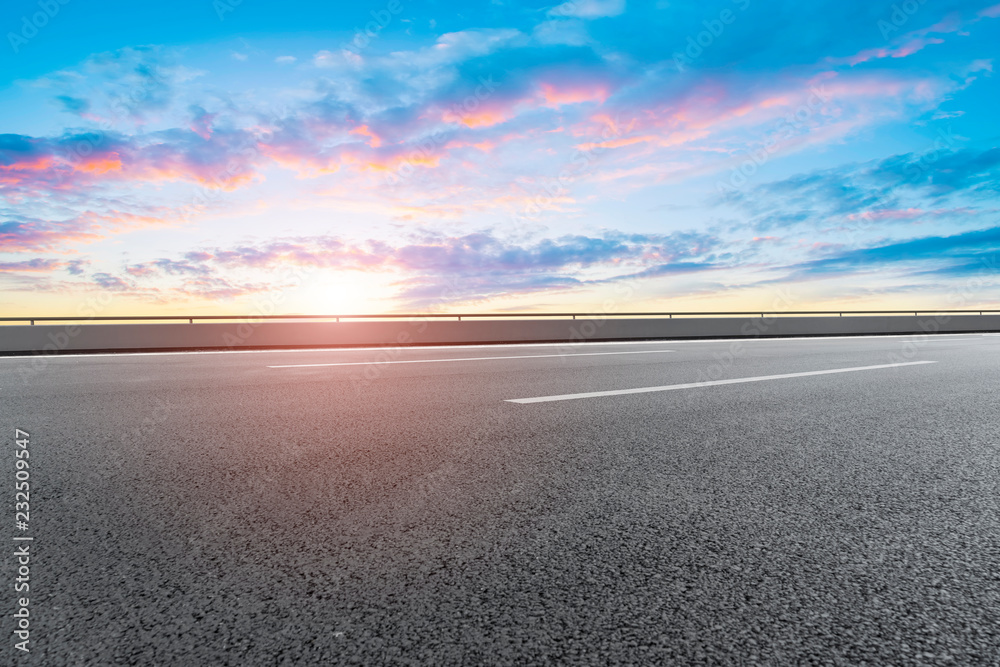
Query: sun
x=343 y=293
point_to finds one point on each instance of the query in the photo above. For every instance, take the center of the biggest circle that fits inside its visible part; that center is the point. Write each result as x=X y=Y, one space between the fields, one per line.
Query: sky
x=246 y=157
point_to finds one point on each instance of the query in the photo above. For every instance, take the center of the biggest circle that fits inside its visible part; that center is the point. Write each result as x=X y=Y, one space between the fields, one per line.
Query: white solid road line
x=934 y=339
x=432 y=361
x=473 y=346
x=692 y=385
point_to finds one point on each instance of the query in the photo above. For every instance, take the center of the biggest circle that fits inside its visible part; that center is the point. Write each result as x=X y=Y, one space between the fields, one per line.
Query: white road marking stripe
x=929 y=339
x=692 y=385
x=429 y=361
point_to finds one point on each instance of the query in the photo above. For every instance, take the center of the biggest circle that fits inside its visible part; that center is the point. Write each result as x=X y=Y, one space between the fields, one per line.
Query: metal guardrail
x=508 y=316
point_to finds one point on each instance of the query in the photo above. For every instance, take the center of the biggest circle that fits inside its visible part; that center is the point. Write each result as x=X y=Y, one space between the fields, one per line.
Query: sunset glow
x=494 y=157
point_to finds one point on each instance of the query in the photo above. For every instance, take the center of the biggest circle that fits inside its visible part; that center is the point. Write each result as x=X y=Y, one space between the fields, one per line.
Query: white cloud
x=456 y=47
x=569 y=32
x=589 y=9
x=981 y=65
x=285 y=60
x=324 y=58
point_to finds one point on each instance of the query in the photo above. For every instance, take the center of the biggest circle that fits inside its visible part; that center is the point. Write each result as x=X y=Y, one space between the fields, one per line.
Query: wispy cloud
x=492 y=154
x=960 y=254
x=481 y=263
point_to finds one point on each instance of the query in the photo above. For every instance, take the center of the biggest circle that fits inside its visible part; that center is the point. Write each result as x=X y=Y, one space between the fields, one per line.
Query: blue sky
x=221 y=157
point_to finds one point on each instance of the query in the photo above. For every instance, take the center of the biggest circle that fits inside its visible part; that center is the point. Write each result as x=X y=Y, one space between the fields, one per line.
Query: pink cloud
x=33 y=164
x=429 y=211
x=373 y=139
x=917 y=40
x=201 y=124
x=37 y=265
x=617 y=143
x=141 y=271
x=485 y=146
x=31 y=235
x=554 y=96
x=482 y=117
x=398 y=158
x=300 y=159
x=908 y=48
x=545 y=94
x=37 y=236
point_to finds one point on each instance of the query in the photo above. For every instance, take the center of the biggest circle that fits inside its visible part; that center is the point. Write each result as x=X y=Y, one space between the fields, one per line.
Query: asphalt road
x=257 y=508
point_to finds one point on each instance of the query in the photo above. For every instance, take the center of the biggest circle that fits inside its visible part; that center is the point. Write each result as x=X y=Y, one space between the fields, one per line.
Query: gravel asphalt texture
x=205 y=509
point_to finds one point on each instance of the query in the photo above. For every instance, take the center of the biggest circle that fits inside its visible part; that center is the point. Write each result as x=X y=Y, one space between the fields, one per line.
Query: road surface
x=625 y=503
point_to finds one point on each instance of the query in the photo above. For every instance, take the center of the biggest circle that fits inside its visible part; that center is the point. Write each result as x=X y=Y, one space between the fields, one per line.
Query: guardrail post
x=190 y=320
x=32 y=322
x=459 y=318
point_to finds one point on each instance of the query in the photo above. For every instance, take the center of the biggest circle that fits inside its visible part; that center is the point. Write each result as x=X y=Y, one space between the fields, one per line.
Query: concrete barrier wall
x=122 y=337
